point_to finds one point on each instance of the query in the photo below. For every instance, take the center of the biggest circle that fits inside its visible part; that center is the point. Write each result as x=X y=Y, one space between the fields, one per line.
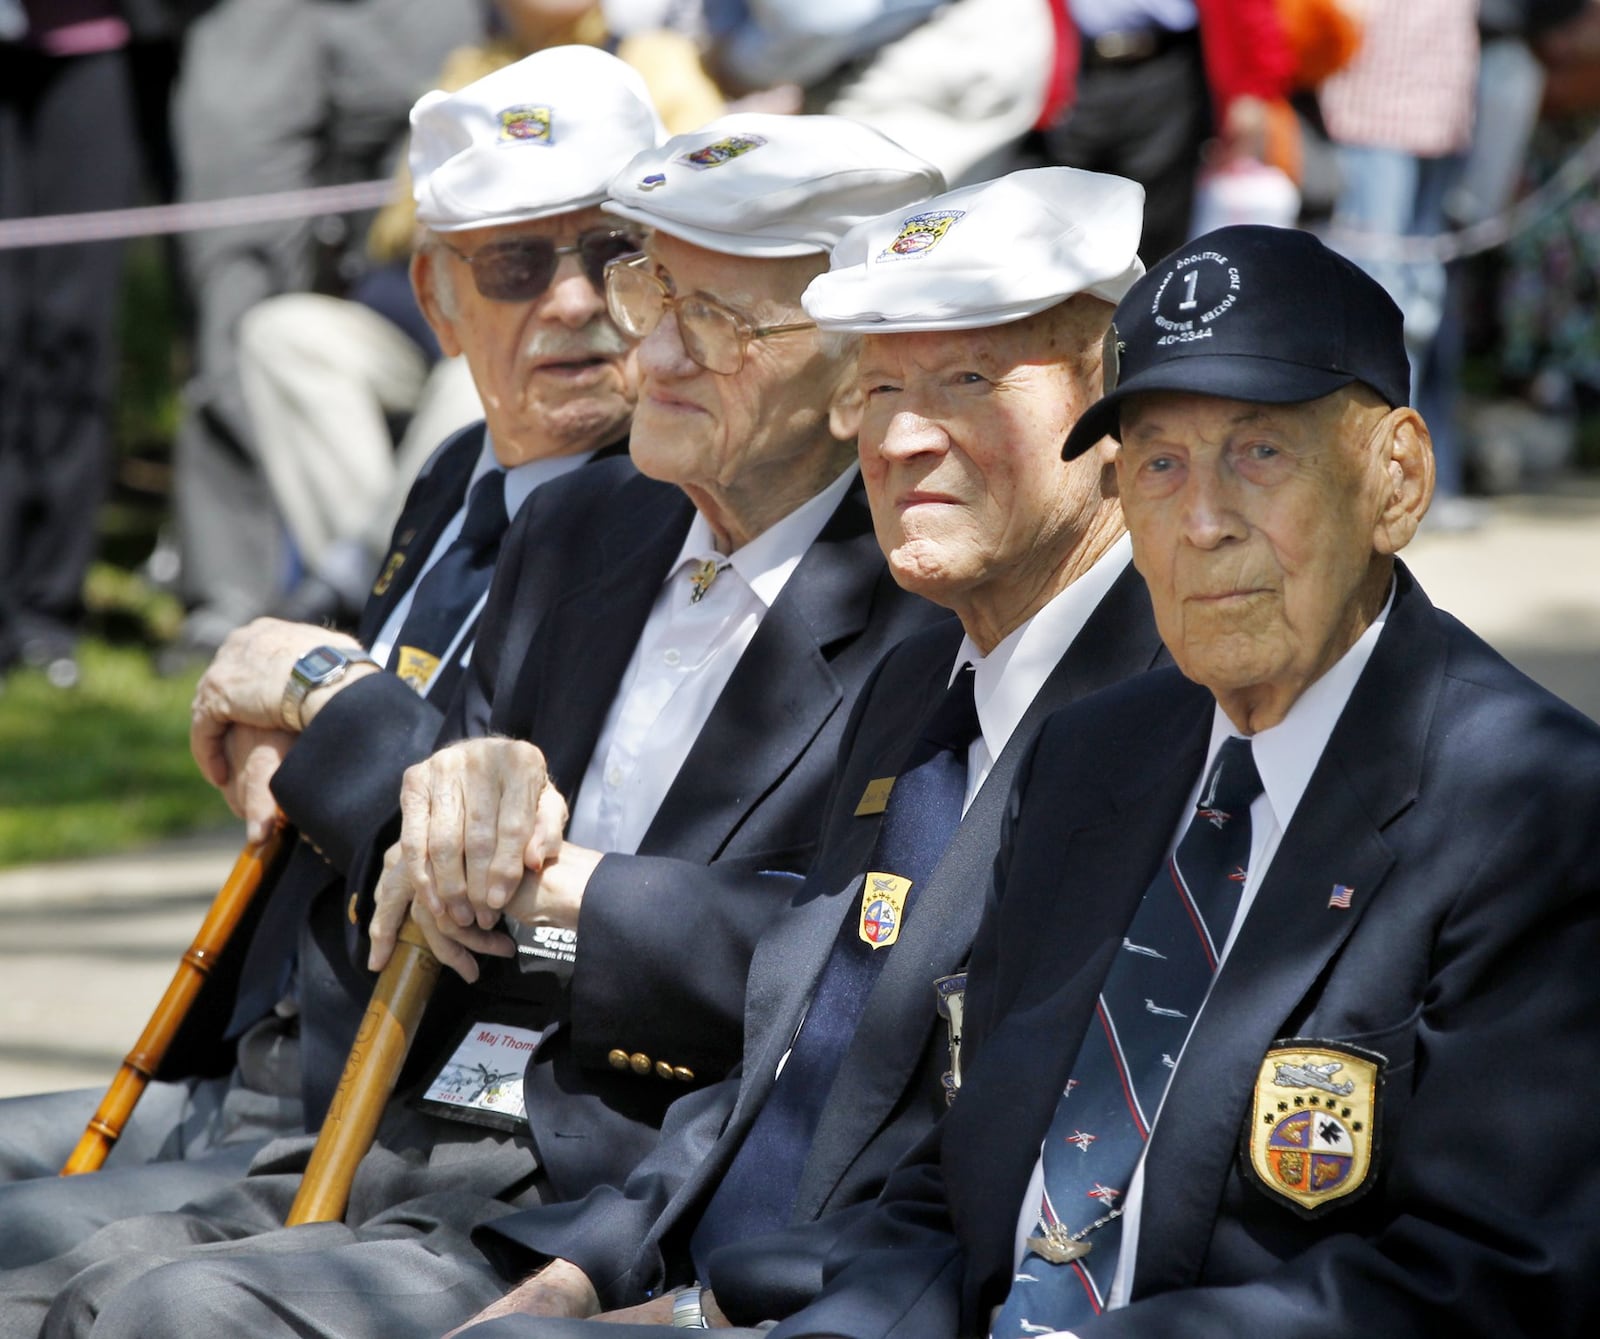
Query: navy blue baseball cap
x=1267 y=315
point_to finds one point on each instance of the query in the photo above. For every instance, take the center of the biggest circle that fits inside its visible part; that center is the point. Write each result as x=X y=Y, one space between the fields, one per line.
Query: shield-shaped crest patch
x=1311 y=1140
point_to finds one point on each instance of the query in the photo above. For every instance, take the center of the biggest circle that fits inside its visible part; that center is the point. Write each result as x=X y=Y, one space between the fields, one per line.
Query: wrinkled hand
x=254 y=755
x=553 y=894
x=475 y=818
x=244 y=685
x=559 y=1289
x=454 y=945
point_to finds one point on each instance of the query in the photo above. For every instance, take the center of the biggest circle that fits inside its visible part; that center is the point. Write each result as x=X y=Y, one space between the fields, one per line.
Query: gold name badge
x=1314 y=1122
x=883 y=905
x=415 y=667
x=875 y=798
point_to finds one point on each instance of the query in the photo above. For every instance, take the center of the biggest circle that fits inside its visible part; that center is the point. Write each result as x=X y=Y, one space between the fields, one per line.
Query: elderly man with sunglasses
x=558 y=383
x=684 y=641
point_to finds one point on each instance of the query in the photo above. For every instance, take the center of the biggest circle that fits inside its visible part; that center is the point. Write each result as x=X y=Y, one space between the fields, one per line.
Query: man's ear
x=1105 y=451
x=848 y=407
x=1406 y=448
x=426 y=284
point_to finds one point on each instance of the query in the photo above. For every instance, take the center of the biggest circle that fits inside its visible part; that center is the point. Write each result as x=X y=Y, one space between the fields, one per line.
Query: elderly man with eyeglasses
x=558 y=383
x=682 y=637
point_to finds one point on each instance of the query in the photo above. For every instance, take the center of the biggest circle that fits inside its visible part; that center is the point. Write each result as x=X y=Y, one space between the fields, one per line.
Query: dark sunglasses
x=521 y=270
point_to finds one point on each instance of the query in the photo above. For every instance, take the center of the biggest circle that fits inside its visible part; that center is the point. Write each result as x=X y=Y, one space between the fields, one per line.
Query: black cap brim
x=1228 y=376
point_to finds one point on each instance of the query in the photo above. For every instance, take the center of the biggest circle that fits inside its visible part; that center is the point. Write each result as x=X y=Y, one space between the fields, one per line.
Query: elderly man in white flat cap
x=683 y=646
x=983 y=314
x=508 y=174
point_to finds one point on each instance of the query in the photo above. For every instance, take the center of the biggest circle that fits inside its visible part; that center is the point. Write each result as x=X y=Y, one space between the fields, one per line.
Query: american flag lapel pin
x=1340 y=897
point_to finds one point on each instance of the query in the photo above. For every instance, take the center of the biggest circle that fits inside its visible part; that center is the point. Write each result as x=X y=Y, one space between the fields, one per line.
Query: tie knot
x=954 y=724
x=486 y=518
x=1234 y=782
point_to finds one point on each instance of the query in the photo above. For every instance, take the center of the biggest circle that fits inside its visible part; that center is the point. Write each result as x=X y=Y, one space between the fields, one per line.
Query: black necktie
x=444 y=599
x=447 y=595
x=924 y=809
x=1147 y=1006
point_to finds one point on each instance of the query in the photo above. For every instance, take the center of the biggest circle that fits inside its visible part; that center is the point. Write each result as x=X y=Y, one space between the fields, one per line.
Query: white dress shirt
x=1006 y=681
x=1010 y=676
x=521 y=480
x=1286 y=755
x=684 y=657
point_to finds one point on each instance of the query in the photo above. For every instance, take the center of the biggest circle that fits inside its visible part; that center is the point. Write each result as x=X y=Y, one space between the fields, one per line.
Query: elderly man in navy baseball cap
x=1262 y=924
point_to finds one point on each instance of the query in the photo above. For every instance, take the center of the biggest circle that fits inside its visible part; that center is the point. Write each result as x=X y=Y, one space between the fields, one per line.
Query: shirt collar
x=1287 y=753
x=522 y=479
x=767 y=562
x=1006 y=681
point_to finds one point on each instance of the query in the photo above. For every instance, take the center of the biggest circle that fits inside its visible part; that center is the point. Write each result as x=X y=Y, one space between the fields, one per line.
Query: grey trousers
x=546 y=1327
x=402 y=1262
x=183 y=1140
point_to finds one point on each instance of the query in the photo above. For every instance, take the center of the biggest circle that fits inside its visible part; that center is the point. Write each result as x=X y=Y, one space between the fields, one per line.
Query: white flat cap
x=540 y=137
x=754 y=184
x=985 y=255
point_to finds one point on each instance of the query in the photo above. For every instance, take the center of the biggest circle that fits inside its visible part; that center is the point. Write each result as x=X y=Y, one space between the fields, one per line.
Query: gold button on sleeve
x=640 y=1062
x=617 y=1059
x=682 y=1074
x=663 y=1070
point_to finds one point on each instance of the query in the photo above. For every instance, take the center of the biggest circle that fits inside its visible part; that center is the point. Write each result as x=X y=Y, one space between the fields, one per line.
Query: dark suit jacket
x=332 y=779
x=889 y=1089
x=662 y=957
x=1458 y=801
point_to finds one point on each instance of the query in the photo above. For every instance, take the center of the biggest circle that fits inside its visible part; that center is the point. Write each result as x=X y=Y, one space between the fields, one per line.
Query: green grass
x=101 y=767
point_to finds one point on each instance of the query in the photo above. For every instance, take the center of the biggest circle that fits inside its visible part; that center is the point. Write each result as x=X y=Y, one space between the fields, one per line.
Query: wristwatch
x=319 y=666
x=686 y=1311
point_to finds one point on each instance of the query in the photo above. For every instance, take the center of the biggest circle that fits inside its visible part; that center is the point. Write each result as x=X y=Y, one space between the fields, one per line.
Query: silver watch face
x=316 y=665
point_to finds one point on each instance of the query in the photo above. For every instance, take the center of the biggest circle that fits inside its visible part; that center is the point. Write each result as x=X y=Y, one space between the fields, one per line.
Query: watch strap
x=302 y=680
x=687 y=1313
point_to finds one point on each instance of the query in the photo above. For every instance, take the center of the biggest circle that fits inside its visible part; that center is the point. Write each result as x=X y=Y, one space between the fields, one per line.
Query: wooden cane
x=140 y=1064
x=370 y=1072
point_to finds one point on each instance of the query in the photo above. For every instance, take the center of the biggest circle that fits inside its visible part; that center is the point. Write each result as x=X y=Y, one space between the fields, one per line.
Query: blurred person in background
x=69 y=143
x=1155 y=82
x=1401 y=115
x=272 y=95
x=959 y=83
x=1545 y=338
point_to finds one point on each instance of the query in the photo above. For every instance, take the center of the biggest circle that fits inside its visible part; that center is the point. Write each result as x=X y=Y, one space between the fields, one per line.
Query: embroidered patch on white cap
x=754 y=184
x=540 y=137
x=985 y=254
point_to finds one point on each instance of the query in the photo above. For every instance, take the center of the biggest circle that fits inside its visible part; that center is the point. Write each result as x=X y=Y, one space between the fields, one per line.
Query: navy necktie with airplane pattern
x=1142 y=1019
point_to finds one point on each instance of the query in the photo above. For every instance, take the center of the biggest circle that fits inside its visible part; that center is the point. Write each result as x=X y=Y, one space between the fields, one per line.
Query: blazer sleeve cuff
x=341 y=780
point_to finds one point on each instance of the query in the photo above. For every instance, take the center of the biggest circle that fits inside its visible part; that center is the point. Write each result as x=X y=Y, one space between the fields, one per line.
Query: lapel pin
x=1341 y=896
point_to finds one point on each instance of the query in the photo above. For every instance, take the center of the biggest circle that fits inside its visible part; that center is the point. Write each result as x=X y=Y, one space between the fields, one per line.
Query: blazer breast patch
x=1311 y=1140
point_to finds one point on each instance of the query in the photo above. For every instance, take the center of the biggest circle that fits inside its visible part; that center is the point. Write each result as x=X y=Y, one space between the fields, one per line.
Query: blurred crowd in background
x=1444 y=144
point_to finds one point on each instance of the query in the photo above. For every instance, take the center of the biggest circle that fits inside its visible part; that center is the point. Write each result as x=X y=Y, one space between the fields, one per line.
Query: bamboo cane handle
x=140 y=1064
x=381 y=1043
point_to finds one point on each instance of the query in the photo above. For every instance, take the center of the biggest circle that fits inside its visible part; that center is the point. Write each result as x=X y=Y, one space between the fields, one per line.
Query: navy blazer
x=889 y=1089
x=329 y=782
x=662 y=960
x=1457 y=800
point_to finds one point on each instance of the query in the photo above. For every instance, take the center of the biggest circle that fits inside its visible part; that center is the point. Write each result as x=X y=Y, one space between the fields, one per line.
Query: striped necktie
x=453 y=586
x=1146 y=1008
